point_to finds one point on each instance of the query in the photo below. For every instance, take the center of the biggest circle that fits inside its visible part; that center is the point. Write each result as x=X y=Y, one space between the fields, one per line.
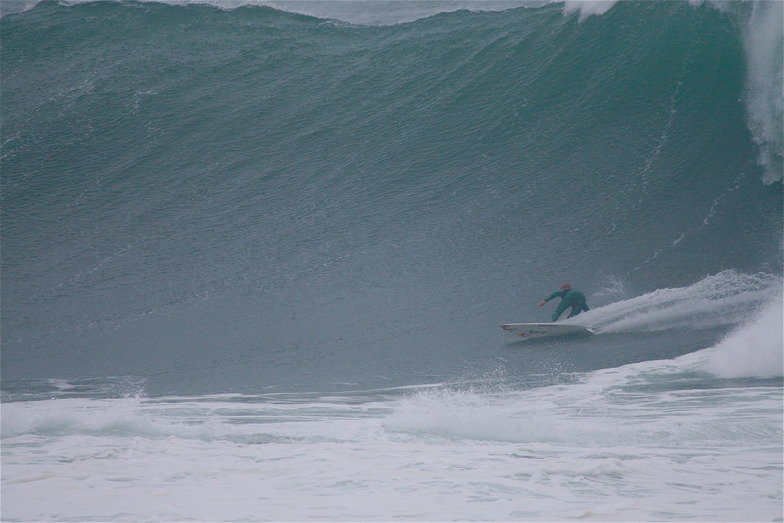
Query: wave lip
x=361 y=12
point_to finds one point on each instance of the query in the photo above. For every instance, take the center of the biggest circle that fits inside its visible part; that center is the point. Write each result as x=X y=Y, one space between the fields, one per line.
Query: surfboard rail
x=545 y=330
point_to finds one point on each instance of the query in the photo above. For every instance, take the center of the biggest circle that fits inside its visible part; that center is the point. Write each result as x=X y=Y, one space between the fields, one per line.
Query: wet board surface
x=544 y=330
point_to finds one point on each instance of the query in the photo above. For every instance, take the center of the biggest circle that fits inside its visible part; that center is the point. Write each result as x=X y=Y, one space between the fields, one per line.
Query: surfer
x=569 y=298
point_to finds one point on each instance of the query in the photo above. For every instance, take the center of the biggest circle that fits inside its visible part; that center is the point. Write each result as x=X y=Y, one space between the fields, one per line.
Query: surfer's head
x=565 y=286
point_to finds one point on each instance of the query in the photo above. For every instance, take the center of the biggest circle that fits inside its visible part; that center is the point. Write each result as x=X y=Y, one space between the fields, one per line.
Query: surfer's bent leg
x=559 y=310
x=578 y=307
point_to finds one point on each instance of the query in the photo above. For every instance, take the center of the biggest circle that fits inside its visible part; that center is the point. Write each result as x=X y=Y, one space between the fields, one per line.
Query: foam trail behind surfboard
x=723 y=299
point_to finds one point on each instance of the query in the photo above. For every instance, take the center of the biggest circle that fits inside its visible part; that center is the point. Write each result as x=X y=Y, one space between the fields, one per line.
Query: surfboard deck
x=544 y=330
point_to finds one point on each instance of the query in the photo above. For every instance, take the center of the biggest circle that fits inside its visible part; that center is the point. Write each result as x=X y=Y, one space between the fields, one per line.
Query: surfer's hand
x=541 y=303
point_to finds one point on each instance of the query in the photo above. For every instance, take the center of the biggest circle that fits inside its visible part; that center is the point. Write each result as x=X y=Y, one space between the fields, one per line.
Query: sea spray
x=764 y=44
x=755 y=349
x=723 y=299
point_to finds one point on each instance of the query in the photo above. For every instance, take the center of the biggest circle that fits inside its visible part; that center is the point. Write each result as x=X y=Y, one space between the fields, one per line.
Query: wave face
x=233 y=199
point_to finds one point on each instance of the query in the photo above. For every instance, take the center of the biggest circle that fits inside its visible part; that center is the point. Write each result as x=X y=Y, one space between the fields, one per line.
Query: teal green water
x=240 y=199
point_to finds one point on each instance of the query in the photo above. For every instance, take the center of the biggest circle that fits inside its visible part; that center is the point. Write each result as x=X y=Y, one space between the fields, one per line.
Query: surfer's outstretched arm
x=556 y=294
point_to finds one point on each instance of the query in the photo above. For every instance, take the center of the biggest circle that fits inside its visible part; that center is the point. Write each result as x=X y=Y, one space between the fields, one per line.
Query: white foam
x=609 y=448
x=588 y=7
x=755 y=350
x=764 y=44
x=76 y=416
x=456 y=414
x=724 y=299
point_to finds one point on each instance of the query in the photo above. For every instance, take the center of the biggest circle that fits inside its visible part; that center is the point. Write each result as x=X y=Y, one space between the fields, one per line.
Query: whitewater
x=255 y=254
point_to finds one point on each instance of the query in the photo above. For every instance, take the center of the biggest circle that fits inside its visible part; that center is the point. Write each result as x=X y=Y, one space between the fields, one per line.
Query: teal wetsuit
x=569 y=298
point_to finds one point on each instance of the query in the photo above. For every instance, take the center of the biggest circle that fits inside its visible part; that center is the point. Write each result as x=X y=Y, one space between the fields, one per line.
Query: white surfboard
x=544 y=330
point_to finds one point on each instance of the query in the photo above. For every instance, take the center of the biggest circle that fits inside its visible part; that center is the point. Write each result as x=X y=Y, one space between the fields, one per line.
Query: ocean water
x=254 y=256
